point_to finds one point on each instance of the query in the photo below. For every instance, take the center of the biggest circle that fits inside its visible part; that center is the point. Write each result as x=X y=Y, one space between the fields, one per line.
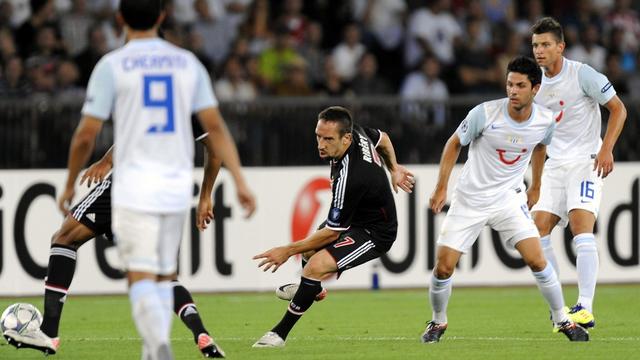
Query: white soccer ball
x=20 y=317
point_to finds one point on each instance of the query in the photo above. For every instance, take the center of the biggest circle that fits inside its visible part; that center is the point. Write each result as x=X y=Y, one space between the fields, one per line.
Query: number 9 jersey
x=151 y=88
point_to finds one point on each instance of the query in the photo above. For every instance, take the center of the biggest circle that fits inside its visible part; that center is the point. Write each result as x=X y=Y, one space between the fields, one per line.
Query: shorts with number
x=463 y=223
x=148 y=242
x=355 y=247
x=94 y=210
x=567 y=187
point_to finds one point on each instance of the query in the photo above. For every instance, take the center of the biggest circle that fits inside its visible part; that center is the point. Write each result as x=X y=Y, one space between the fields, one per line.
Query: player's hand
x=273 y=258
x=246 y=199
x=402 y=178
x=64 y=202
x=438 y=199
x=603 y=164
x=533 y=195
x=204 y=214
x=96 y=173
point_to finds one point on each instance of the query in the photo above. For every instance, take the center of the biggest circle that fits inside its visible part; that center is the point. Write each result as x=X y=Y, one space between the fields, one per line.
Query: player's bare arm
x=277 y=256
x=449 y=157
x=603 y=164
x=537 y=163
x=82 y=145
x=99 y=169
x=400 y=176
x=220 y=143
x=212 y=166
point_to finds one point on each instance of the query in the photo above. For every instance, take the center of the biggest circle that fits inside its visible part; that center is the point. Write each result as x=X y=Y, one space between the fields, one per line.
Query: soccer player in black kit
x=362 y=223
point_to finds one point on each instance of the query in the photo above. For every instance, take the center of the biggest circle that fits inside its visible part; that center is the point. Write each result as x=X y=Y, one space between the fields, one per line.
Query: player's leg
x=460 y=229
x=545 y=222
x=60 y=271
x=62 y=260
x=139 y=238
x=440 y=293
x=583 y=201
x=518 y=231
x=551 y=209
x=587 y=265
x=319 y=265
x=547 y=281
x=185 y=308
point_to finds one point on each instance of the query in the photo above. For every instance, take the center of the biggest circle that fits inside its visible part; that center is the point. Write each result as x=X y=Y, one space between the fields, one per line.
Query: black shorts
x=94 y=210
x=355 y=247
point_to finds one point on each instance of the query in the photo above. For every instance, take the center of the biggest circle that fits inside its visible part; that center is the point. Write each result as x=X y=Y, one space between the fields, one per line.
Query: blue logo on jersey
x=334 y=214
x=606 y=87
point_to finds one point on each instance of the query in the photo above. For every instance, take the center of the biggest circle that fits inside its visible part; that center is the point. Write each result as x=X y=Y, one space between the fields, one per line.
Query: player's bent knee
x=537 y=264
x=443 y=271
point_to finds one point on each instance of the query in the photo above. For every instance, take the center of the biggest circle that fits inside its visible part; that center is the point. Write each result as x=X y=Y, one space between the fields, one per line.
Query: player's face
x=546 y=49
x=330 y=144
x=519 y=90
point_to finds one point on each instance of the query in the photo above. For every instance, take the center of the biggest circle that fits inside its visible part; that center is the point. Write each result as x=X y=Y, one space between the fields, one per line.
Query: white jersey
x=500 y=151
x=152 y=88
x=575 y=95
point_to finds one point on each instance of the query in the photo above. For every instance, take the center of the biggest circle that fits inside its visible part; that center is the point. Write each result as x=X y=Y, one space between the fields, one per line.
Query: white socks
x=552 y=291
x=587 y=263
x=545 y=241
x=439 y=294
x=152 y=318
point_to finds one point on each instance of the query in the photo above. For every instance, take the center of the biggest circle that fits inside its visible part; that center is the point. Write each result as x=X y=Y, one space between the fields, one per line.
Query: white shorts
x=464 y=223
x=148 y=242
x=567 y=187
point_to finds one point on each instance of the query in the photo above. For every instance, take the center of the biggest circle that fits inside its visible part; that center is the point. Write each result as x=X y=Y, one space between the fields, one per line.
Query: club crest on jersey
x=504 y=160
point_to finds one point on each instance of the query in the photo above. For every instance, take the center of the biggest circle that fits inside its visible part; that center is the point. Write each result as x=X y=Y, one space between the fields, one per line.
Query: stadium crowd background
x=421 y=56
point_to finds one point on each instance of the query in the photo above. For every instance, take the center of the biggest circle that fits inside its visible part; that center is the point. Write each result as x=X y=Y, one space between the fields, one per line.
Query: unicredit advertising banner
x=291 y=203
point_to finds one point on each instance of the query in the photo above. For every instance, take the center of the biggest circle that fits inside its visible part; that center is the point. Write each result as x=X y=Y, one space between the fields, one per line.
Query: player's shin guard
x=62 y=265
x=186 y=310
x=549 y=254
x=149 y=314
x=587 y=264
x=302 y=300
x=439 y=294
x=552 y=292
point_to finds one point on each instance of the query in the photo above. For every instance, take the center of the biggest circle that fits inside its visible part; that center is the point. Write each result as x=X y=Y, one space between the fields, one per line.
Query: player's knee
x=443 y=270
x=62 y=238
x=544 y=228
x=536 y=264
x=316 y=269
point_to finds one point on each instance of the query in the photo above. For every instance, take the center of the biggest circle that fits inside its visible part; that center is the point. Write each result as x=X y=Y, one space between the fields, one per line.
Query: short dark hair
x=141 y=14
x=548 y=25
x=37 y=5
x=527 y=66
x=340 y=115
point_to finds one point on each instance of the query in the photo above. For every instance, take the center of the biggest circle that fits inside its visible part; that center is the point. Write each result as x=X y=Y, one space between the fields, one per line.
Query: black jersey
x=361 y=193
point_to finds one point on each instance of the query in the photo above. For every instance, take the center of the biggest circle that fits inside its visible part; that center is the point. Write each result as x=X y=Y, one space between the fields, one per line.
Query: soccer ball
x=20 y=317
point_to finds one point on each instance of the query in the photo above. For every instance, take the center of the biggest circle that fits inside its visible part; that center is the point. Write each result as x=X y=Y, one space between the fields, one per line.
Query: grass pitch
x=484 y=323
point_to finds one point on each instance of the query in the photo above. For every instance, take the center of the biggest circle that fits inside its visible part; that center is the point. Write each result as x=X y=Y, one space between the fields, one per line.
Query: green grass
x=484 y=323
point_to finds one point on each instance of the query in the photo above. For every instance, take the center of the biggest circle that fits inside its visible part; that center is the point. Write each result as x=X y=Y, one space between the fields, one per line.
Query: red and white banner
x=291 y=203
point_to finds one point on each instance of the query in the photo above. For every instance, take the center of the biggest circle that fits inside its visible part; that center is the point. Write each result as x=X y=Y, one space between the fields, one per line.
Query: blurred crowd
x=423 y=50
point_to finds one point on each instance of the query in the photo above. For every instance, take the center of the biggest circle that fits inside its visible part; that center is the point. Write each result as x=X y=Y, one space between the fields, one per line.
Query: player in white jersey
x=151 y=88
x=578 y=158
x=503 y=136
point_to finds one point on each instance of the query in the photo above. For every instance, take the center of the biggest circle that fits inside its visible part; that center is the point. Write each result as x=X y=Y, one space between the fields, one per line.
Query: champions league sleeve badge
x=334 y=214
x=464 y=126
